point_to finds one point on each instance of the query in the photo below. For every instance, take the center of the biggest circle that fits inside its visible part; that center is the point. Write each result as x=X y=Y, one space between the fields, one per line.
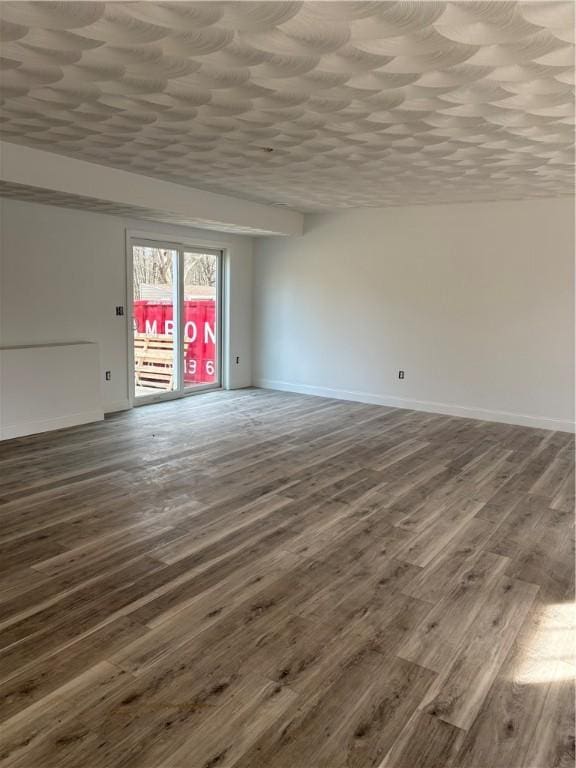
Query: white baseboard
x=48 y=425
x=118 y=405
x=540 y=422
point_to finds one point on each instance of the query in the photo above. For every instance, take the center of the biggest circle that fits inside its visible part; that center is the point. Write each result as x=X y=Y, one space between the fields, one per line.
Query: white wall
x=62 y=273
x=475 y=302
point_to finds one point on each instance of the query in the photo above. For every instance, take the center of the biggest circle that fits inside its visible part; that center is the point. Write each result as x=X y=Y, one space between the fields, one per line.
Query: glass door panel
x=201 y=323
x=155 y=320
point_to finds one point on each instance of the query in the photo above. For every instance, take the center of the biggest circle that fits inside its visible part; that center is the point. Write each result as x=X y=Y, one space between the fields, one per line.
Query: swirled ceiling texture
x=317 y=105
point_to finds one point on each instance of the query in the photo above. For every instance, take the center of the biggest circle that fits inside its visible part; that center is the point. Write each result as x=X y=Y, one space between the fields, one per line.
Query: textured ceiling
x=317 y=105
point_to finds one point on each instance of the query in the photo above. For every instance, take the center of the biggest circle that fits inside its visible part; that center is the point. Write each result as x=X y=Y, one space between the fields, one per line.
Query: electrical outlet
x=108 y=375
x=400 y=374
x=119 y=311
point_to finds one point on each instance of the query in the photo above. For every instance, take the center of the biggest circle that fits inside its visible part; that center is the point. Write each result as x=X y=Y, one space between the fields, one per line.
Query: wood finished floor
x=266 y=580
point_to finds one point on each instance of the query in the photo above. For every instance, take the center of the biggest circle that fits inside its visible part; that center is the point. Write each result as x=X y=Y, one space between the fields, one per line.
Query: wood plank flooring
x=267 y=580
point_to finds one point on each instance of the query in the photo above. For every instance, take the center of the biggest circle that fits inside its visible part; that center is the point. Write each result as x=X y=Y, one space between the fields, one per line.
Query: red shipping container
x=156 y=318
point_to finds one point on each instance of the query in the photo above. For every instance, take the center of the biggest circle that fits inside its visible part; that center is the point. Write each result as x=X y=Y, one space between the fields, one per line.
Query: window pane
x=154 y=320
x=200 y=319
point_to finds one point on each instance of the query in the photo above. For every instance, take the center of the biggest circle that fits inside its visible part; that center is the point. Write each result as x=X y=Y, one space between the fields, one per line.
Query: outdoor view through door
x=176 y=307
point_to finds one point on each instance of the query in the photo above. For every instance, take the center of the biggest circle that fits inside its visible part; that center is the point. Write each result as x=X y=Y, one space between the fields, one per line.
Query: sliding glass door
x=175 y=319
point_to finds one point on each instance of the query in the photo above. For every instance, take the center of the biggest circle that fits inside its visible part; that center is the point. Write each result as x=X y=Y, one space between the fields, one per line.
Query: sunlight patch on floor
x=550 y=654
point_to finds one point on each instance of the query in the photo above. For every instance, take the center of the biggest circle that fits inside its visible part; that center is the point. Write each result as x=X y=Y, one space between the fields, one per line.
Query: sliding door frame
x=188 y=246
